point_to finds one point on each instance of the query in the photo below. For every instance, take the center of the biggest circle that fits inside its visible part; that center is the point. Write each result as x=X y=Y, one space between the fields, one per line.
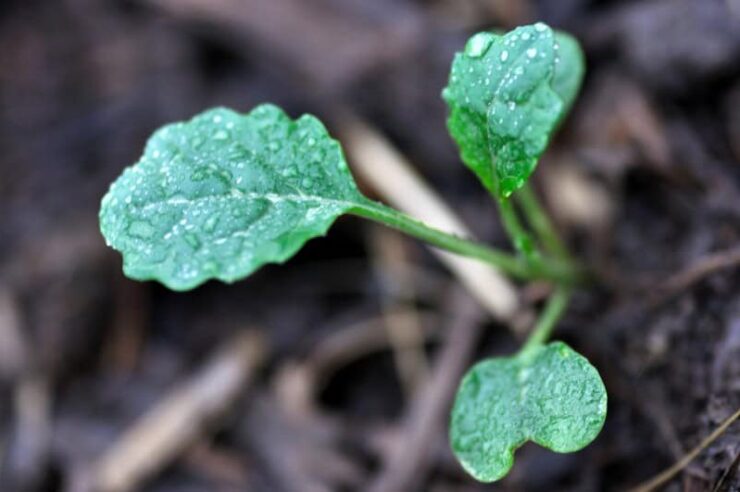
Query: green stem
x=540 y=222
x=554 y=310
x=550 y=270
x=517 y=234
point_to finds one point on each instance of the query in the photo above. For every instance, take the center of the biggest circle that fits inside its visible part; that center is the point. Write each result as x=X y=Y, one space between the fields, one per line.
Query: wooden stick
x=669 y=473
x=699 y=270
x=406 y=465
x=180 y=418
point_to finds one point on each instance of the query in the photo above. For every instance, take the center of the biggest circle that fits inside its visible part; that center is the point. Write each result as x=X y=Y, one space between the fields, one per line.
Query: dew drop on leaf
x=507 y=101
x=221 y=135
x=478 y=45
x=140 y=228
x=550 y=395
x=232 y=205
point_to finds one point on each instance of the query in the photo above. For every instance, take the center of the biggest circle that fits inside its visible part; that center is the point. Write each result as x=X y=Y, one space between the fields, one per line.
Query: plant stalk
x=521 y=239
x=540 y=222
x=554 y=310
x=544 y=269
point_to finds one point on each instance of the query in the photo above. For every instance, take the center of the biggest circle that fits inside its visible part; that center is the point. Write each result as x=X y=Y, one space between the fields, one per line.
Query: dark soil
x=84 y=351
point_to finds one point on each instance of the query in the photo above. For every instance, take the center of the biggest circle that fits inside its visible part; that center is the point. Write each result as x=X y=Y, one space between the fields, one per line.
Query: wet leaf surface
x=223 y=194
x=550 y=395
x=506 y=96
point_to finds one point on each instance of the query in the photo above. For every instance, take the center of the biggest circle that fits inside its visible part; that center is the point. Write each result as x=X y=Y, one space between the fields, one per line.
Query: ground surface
x=84 y=352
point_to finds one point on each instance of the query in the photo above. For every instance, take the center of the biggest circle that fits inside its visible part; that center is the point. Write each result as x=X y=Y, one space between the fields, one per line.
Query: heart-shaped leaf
x=506 y=96
x=550 y=395
x=224 y=193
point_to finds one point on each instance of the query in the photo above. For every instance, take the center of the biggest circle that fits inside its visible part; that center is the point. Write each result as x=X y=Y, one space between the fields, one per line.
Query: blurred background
x=336 y=371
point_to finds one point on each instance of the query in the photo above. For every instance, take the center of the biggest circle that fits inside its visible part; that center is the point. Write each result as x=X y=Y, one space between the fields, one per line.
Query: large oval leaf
x=550 y=395
x=224 y=193
x=506 y=95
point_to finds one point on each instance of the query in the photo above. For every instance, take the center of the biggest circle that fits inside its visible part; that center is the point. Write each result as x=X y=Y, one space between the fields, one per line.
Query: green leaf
x=225 y=193
x=570 y=68
x=550 y=395
x=506 y=96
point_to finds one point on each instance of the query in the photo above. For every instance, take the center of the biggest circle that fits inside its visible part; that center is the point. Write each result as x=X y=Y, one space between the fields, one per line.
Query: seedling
x=221 y=195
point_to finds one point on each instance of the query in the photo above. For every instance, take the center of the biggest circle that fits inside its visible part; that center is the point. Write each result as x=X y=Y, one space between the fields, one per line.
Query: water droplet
x=504 y=55
x=540 y=26
x=306 y=183
x=478 y=45
x=525 y=36
x=141 y=229
x=531 y=52
x=221 y=135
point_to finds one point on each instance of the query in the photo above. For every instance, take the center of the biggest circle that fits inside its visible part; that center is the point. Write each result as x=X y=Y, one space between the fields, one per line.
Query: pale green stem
x=517 y=234
x=549 y=269
x=554 y=310
x=540 y=222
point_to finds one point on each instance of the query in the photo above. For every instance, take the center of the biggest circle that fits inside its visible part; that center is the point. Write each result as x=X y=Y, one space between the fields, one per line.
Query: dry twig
x=28 y=451
x=404 y=332
x=299 y=451
x=360 y=339
x=405 y=465
x=180 y=418
x=699 y=270
x=731 y=470
x=669 y=473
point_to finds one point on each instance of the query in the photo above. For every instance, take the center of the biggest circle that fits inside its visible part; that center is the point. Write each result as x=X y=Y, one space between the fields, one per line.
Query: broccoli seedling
x=507 y=94
x=223 y=194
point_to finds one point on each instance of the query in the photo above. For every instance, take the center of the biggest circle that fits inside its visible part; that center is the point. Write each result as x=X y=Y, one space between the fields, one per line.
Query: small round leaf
x=550 y=395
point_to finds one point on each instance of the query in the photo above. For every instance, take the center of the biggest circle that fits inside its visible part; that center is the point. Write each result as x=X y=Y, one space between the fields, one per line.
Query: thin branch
x=699 y=270
x=669 y=473
x=405 y=465
x=180 y=418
